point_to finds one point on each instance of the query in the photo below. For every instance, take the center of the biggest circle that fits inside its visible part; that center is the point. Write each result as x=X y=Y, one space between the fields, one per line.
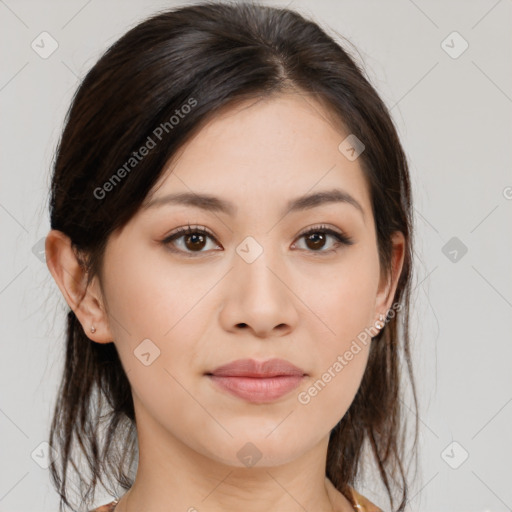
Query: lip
x=263 y=369
x=257 y=382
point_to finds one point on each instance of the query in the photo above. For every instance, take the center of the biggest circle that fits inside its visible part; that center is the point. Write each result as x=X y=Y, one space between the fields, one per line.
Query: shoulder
x=109 y=507
x=363 y=504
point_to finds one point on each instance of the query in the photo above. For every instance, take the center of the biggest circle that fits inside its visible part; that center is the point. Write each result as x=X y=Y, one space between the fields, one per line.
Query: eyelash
x=180 y=232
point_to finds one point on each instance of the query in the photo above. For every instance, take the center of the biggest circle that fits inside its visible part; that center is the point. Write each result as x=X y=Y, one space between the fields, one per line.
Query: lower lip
x=258 y=390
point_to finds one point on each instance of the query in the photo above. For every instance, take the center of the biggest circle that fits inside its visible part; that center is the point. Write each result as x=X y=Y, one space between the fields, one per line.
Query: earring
x=93 y=329
x=381 y=325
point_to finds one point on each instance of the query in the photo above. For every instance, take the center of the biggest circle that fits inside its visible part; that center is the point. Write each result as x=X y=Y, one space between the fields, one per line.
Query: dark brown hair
x=210 y=56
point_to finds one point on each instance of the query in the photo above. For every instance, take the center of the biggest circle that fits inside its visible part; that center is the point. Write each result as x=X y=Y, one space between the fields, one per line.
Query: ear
x=388 y=283
x=71 y=278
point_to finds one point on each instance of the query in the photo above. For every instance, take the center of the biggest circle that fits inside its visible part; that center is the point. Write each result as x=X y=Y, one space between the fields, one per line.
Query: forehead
x=286 y=145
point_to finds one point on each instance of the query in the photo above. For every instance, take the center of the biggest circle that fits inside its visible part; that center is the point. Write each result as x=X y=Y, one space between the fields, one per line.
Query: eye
x=194 y=239
x=317 y=235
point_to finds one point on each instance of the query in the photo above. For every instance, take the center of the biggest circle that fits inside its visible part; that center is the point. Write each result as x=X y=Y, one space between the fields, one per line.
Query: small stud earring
x=381 y=325
x=93 y=329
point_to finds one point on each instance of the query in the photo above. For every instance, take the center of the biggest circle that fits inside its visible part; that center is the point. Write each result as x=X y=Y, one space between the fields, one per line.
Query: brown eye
x=316 y=239
x=194 y=240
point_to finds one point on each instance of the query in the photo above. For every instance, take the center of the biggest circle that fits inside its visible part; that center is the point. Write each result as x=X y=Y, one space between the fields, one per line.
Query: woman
x=231 y=227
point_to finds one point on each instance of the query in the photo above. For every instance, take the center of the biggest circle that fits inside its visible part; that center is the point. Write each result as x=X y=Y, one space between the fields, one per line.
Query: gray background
x=454 y=119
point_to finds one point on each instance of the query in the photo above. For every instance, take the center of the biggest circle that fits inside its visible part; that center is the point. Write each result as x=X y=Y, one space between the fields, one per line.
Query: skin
x=204 y=310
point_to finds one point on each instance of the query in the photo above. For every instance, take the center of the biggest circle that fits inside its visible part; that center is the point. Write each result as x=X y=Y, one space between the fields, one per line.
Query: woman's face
x=253 y=287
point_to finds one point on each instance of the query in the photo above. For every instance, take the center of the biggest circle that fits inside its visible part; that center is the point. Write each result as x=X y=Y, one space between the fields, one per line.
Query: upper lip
x=252 y=368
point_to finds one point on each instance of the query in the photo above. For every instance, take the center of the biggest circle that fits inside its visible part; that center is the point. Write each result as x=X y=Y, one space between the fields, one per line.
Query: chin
x=256 y=448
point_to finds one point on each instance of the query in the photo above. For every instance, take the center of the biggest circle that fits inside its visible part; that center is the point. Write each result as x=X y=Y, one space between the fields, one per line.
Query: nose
x=259 y=297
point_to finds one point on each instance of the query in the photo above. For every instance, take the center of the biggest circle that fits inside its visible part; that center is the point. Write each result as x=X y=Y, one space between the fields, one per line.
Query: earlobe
x=71 y=278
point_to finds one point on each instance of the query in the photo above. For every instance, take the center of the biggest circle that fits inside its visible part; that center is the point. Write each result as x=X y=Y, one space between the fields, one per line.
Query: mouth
x=258 y=369
x=258 y=389
x=257 y=382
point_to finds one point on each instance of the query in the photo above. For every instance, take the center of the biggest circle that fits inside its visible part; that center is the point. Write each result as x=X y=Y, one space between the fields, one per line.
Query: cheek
x=328 y=395
x=345 y=306
x=343 y=298
x=341 y=351
x=146 y=297
x=151 y=312
x=154 y=315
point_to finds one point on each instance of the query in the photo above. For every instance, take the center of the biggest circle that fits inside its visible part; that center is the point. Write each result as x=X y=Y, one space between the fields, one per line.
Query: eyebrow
x=215 y=204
